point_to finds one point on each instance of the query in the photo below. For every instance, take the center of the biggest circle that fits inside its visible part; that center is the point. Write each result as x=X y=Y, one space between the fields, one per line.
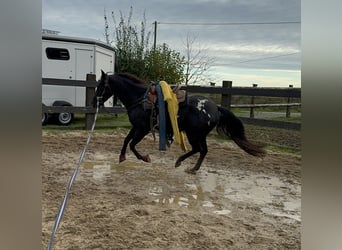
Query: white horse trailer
x=72 y=58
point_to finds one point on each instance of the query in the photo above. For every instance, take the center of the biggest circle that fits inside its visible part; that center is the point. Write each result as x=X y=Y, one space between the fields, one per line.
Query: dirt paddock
x=235 y=201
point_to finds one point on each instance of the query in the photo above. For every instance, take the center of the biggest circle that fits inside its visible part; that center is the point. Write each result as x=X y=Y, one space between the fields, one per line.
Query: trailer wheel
x=45 y=117
x=65 y=118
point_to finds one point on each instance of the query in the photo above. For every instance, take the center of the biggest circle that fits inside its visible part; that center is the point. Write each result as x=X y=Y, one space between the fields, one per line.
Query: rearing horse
x=196 y=117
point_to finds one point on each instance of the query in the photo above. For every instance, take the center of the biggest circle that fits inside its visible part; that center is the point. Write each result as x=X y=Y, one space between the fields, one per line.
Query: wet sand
x=235 y=201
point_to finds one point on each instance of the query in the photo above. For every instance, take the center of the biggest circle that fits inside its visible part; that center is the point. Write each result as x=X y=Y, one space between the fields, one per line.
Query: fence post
x=288 y=112
x=90 y=93
x=226 y=99
x=251 y=113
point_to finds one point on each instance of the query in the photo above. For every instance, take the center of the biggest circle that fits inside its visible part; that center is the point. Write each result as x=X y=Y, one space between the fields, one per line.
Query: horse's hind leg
x=128 y=138
x=137 y=137
x=198 y=145
x=203 y=153
x=186 y=155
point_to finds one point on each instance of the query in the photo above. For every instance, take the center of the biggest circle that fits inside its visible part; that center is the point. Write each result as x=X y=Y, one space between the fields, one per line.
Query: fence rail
x=265 y=105
x=81 y=110
x=226 y=91
x=247 y=91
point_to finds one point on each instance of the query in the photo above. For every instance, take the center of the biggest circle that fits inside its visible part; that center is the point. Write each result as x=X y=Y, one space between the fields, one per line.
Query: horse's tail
x=232 y=126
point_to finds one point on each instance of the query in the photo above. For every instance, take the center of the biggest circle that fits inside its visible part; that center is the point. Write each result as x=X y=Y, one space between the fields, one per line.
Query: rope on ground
x=71 y=181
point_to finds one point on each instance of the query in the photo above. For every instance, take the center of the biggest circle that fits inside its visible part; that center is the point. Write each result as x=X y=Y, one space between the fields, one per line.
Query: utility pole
x=154 y=48
x=155 y=36
x=106 y=27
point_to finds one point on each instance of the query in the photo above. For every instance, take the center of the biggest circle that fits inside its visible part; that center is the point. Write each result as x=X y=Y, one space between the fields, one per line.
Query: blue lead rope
x=162 y=119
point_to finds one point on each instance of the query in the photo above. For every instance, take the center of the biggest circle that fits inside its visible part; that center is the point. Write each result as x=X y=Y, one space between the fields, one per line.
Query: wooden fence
x=226 y=92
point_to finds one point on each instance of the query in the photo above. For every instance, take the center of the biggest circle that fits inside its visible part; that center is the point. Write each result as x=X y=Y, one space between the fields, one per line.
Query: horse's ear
x=103 y=75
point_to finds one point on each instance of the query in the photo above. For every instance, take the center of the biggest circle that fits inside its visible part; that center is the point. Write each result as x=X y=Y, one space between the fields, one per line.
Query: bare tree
x=197 y=63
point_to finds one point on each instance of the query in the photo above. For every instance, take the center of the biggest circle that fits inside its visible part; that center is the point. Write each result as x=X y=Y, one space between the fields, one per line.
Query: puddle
x=285 y=214
x=99 y=171
x=209 y=182
x=222 y=212
x=293 y=205
x=216 y=192
x=255 y=189
x=267 y=192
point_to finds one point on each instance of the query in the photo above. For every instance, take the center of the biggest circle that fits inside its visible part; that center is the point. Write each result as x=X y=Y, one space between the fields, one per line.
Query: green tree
x=165 y=64
x=135 y=55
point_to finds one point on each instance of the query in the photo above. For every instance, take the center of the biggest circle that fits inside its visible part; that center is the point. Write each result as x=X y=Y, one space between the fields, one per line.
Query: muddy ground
x=235 y=201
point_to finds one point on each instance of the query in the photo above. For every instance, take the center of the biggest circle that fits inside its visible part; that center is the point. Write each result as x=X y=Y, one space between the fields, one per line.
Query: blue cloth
x=162 y=119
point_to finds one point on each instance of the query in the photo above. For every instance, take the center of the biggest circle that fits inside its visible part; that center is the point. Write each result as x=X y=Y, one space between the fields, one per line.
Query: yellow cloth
x=172 y=105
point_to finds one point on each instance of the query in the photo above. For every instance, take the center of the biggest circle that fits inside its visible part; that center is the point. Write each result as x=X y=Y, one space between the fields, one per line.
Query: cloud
x=253 y=48
x=264 y=78
x=227 y=43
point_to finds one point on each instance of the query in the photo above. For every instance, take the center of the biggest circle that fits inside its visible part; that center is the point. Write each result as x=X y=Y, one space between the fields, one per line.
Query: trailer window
x=57 y=54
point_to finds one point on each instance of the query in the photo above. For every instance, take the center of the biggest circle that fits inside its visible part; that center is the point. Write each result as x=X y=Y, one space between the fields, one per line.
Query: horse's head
x=103 y=90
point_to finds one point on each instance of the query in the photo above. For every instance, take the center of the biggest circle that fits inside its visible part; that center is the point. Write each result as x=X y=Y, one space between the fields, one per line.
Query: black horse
x=197 y=117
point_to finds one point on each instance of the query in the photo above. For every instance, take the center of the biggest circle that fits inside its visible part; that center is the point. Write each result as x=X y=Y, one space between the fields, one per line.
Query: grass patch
x=290 y=119
x=280 y=140
x=104 y=123
x=276 y=139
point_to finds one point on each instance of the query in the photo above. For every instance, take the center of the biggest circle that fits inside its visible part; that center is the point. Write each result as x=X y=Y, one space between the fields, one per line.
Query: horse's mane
x=132 y=77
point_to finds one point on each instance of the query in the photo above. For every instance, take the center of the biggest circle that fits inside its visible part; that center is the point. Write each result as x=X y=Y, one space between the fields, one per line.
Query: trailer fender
x=61 y=103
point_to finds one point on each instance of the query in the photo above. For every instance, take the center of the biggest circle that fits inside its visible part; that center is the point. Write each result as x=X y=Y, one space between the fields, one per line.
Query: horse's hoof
x=190 y=171
x=122 y=158
x=146 y=158
x=177 y=164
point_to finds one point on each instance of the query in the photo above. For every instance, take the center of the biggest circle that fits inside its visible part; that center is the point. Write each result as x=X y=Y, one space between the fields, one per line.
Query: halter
x=107 y=86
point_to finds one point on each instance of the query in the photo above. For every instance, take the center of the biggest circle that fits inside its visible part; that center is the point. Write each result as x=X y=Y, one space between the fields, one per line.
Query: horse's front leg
x=128 y=138
x=137 y=137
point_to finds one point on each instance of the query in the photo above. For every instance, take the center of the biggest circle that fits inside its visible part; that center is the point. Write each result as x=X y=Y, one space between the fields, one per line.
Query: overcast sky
x=266 y=54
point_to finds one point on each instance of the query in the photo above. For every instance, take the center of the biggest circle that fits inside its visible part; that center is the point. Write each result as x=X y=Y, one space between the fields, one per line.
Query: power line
x=257 y=59
x=230 y=23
